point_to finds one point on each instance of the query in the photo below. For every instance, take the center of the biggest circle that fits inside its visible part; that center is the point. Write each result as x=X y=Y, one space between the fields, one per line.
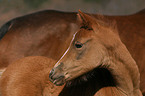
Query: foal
x=97 y=46
x=29 y=77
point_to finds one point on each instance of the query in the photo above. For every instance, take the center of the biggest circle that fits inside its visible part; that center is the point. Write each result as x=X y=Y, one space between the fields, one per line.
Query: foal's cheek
x=80 y=55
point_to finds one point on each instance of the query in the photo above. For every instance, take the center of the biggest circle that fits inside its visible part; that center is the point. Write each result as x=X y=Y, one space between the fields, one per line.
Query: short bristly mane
x=102 y=21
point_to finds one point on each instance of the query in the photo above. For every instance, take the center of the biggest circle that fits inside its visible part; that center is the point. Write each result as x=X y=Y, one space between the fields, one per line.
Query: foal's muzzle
x=56 y=76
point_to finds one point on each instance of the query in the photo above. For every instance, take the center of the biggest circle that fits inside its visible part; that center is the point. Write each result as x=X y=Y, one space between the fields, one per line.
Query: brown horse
x=98 y=45
x=45 y=33
x=29 y=77
x=49 y=33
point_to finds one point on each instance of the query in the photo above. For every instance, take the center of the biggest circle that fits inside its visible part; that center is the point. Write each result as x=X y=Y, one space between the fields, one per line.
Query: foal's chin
x=73 y=81
x=70 y=81
x=59 y=81
x=72 y=77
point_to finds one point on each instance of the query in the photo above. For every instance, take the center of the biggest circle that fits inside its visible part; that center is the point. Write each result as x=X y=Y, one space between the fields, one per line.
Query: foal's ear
x=85 y=20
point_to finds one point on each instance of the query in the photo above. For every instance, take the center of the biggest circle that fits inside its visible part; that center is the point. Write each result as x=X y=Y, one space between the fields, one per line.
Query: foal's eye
x=78 y=45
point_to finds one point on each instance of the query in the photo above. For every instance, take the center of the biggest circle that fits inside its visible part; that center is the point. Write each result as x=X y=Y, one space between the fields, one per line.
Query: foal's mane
x=102 y=21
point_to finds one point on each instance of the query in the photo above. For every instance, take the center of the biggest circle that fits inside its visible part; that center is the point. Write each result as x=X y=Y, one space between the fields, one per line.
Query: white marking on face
x=65 y=51
x=1 y=71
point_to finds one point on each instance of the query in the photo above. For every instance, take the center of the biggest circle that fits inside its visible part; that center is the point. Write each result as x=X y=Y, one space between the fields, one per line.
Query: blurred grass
x=98 y=1
x=21 y=5
x=10 y=9
x=34 y=3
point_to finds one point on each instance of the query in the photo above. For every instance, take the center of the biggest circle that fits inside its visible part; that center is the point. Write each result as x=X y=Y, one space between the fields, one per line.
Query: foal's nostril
x=51 y=74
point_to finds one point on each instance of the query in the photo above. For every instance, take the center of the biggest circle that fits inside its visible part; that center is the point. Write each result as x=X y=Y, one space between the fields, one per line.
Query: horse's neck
x=51 y=90
x=124 y=71
x=109 y=91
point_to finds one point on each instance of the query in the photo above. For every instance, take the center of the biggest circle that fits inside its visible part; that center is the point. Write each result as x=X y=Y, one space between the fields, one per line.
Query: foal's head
x=87 y=51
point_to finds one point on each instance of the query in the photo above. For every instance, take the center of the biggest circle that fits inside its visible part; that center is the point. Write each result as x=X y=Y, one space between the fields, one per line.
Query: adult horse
x=48 y=33
x=45 y=33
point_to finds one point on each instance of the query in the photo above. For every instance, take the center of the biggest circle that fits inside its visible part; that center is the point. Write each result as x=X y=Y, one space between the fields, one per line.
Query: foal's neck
x=125 y=71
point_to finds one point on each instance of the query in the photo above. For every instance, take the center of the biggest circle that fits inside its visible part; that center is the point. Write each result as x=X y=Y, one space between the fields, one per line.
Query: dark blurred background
x=13 y=8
